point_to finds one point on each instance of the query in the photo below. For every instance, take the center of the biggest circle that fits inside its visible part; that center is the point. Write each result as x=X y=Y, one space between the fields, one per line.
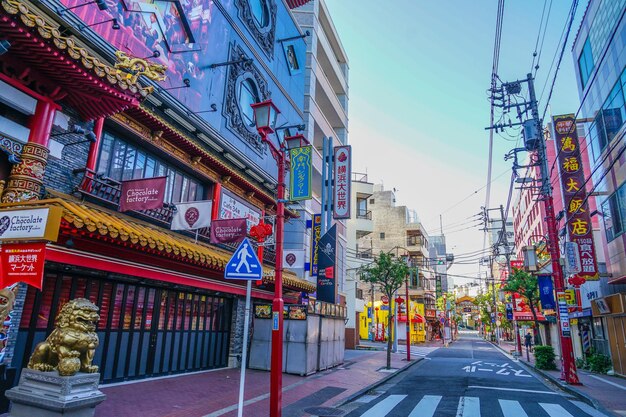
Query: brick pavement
x=606 y=392
x=215 y=393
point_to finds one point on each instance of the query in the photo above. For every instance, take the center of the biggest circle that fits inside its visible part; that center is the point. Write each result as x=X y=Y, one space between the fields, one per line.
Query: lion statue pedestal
x=60 y=379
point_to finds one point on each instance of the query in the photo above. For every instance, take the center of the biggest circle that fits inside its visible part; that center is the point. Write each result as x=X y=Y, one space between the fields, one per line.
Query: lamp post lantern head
x=265 y=114
x=295 y=141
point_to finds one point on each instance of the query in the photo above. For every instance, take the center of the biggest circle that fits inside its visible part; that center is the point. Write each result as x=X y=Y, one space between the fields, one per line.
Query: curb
x=376 y=384
x=558 y=383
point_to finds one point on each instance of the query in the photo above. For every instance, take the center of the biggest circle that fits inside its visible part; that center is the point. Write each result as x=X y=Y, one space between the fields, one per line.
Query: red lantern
x=260 y=231
x=577 y=281
x=399 y=300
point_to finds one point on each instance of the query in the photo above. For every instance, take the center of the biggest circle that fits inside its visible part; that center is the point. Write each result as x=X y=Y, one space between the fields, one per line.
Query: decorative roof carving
x=265 y=36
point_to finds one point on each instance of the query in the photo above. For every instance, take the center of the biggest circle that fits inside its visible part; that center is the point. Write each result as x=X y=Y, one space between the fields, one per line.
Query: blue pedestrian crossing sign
x=244 y=263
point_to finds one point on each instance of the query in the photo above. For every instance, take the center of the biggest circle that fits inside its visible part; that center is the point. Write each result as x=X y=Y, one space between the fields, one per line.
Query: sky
x=418 y=103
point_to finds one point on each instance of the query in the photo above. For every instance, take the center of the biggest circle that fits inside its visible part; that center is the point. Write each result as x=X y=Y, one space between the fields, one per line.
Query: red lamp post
x=265 y=118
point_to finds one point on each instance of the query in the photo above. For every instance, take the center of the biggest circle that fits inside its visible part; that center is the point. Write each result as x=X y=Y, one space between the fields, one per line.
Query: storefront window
x=122 y=161
x=598 y=329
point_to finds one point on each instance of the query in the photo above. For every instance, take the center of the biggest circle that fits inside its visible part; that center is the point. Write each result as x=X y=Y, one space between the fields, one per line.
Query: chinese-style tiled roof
x=67 y=69
x=296 y=3
x=124 y=229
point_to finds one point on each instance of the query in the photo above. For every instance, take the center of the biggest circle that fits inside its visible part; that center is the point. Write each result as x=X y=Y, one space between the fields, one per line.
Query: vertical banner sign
x=326 y=260
x=300 y=173
x=546 y=292
x=563 y=314
x=316 y=233
x=572 y=258
x=22 y=262
x=142 y=194
x=341 y=191
x=574 y=194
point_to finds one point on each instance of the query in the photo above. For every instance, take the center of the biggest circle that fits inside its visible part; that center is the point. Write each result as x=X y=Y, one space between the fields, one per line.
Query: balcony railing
x=364 y=214
x=359 y=177
x=106 y=191
x=414 y=241
x=364 y=253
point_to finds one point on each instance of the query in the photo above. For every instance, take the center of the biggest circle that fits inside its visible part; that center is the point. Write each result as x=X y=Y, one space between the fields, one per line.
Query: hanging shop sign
x=316 y=234
x=341 y=191
x=572 y=258
x=546 y=292
x=192 y=215
x=572 y=175
x=22 y=262
x=232 y=207
x=30 y=224
x=300 y=173
x=326 y=280
x=142 y=194
x=563 y=314
x=228 y=231
x=293 y=258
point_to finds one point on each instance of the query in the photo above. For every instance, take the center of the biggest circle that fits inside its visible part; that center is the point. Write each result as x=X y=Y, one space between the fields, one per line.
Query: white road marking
x=468 y=407
x=515 y=389
x=520 y=372
x=588 y=409
x=384 y=407
x=555 y=410
x=608 y=382
x=426 y=407
x=512 y=408
x=483 y=369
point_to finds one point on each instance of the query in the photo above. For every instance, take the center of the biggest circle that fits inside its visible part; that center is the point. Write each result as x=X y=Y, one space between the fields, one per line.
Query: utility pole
x=568 y=370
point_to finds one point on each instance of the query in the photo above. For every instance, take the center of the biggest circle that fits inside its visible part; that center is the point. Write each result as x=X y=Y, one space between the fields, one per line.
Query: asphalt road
x=470 y=378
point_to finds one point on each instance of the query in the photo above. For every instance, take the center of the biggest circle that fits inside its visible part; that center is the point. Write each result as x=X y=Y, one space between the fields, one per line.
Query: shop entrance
x=144 y=330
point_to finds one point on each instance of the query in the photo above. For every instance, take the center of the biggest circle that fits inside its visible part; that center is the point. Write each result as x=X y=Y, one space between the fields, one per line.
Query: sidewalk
x=607 y=393
x=215 y=393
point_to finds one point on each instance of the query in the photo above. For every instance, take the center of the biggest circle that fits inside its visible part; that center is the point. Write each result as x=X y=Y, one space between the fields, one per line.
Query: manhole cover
x=324 y=411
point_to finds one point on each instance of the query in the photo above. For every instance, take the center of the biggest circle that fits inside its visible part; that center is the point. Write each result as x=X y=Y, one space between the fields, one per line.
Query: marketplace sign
x=22 y=262
x=30 y=224
x=300 y=173
x=578 y=219
x=142 y=194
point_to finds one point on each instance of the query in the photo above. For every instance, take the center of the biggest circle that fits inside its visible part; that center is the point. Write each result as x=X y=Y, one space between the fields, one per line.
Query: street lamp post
x=265 y=118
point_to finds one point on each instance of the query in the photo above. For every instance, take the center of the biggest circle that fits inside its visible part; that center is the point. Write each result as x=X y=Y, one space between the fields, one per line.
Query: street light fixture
x=265 y=118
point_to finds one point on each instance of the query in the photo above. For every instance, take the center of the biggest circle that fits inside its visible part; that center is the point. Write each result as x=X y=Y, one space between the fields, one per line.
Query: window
x=248 y=94
x=614 y=213
x=260 y=12
x=585 y=63
x=382 y=235
x=609 y=119
x=121 y=161
x=372 y=201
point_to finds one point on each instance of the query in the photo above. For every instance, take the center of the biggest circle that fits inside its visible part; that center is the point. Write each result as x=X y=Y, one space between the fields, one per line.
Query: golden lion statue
x=72 y=344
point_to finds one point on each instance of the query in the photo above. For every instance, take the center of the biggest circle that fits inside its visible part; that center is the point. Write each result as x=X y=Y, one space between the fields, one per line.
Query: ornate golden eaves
x=80 y=53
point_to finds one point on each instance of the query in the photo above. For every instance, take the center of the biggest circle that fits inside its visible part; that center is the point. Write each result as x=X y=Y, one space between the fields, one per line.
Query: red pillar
x=408 y=321
x=276 y=367
x=215 y=210
x=41 y=122
x=92 y=158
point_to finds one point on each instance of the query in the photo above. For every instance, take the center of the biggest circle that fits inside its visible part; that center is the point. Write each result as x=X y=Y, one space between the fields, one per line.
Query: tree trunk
x=390 y=338
x=536 y=331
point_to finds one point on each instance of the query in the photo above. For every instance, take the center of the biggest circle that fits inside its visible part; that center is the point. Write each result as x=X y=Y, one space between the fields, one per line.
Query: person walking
x=528 y=341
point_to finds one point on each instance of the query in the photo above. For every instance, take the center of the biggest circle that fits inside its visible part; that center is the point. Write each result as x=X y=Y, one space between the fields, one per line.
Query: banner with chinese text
x=22 y=262
x=142 y=194
x=233 y=207
x=578 y=221
x=341 y=190
x=316 y=234
x=300 y=173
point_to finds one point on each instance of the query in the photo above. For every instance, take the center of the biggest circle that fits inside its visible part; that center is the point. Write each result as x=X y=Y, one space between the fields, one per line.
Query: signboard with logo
x=300 y=173
x=546 y=292
x=578 y=220
x=232 y=207
x=228 y=231
x=30 y=224
x=316 y=234
x=293 y=258
x=22 y=262
x=142 y=194
x=192 y=215
x=341 y=190
x=326 y=282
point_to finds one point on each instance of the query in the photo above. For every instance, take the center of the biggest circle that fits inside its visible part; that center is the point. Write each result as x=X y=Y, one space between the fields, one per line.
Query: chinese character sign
x=341 y=191
x=574 y=194
x=22 y=262
x=316 y=234
x=300 y=173
x=232 y=207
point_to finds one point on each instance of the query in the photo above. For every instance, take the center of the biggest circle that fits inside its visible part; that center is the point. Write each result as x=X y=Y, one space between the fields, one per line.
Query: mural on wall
x=174 y=33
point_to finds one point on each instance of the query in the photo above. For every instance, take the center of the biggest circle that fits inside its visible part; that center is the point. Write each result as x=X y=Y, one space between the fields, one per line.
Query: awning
x=296 y=3
x=97 y=223
x=416 y=318
x=60 y=64
x=527 y=316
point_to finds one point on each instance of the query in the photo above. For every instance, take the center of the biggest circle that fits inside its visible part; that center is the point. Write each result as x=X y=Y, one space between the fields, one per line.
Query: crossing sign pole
x=244 y=265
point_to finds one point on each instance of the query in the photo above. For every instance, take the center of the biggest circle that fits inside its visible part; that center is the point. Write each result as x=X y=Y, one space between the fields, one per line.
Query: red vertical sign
x=22 y=262
x=341 y=191
x=578 y=223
